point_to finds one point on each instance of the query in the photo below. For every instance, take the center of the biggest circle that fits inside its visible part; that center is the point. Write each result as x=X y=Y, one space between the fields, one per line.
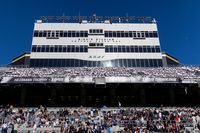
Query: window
x=60 y=48
x=138 y=63
x=146 y=62
x=126 y=34
x=119 y=48
x=122 y=33
x=51 y=48
x=61 y=34
x=160 y=63
x=157 y=49
x=68 y=48
x=129 y=62
x=140 y=49
x=114 y=34
x=111 y=48
x=81 y=34
x=72 y=48
x=155 y=33
x=123 y=49
x=133 y=63
x=48 y=33
x=110 y=34
x=142 y=34
x=115 y=49
x=69 y=34
x=130 y=34
x=40 y=33
x=77 y=49
x=52 y=33
x=65 y=33
x=73 y=34
x=36 y=33
x=128 y=49
x=92 y=44
x=77 y=34
x=85 y=34
x=148 y=49
x=155 y=63
x=56 y=48
x=106 y=34
x=43 y=48
x=64 y=49
x=57 y=33
x=144 y=49
x=38 y=48
x=150 y=34
x=34 y=48
x=132 y=48
x=136 y=49
x=146 y=34
x=85 y=49
x=138 y=34
x=44 y=33
x=142 y=62
x=134 y=34
x=153 y=49
x=118 y=34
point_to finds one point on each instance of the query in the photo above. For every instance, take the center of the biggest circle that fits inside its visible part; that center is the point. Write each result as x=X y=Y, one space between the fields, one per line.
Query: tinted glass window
x=127 y=48
x=36 y=33
x=61 y=34
x=123 y=49
x=144 y=49
x=118 y=34
x=147 y=34
x=136 y=49
x=69 y=34
x=130 y=34
x=43 y=48
x=77 y=49
x=34 y=48
x=119 y=48
x=157 y=49
x=106 y=34
x=64 y=49
x=114 y=34
x=155 y=34
x=44 y=33
x=73 y=34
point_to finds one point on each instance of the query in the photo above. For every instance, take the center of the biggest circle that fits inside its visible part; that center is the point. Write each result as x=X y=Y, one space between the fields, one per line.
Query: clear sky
x=178 y=22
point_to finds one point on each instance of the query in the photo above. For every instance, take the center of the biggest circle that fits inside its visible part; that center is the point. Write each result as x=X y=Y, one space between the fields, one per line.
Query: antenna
x=127 y=17
x=79 y=14
x=94 y=15
x=154 y=20
x=63 y=16
x=119 y=20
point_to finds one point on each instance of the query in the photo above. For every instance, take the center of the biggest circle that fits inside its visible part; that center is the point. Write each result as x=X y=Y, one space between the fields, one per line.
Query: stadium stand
x=91 y=120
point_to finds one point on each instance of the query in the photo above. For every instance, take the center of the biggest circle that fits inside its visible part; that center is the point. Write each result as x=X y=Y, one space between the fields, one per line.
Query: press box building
x=95 y=42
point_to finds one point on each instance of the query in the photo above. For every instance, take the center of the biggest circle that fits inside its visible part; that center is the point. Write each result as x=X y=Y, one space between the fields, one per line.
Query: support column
x=53 y=96
x=83 y=96
x=172 y=96
x=142 y=95
x=23 y=96
x=112 y=96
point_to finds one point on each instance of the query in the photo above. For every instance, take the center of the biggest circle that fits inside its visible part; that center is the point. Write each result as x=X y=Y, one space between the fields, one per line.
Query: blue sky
x=178 y=22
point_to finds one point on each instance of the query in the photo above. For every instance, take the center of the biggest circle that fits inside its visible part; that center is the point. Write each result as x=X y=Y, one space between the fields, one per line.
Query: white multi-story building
x=99 y=43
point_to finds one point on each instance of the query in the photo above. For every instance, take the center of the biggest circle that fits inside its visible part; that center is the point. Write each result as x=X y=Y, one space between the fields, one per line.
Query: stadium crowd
x=163 y=72
x=98 y=120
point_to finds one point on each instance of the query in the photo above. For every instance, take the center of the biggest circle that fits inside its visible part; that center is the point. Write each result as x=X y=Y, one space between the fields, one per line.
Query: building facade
x=95 y=44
